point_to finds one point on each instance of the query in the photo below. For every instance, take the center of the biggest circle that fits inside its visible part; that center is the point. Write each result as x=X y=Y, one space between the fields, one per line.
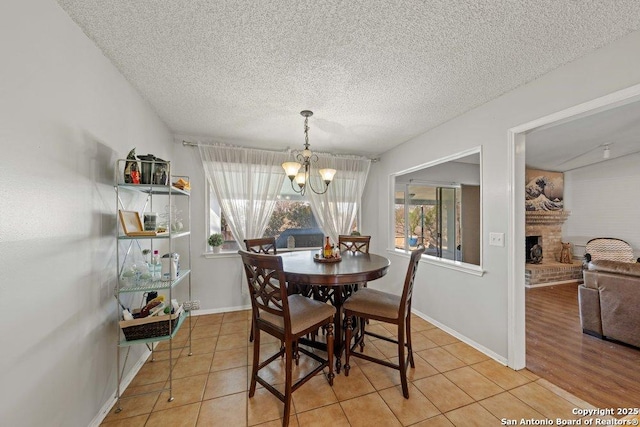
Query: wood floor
x=603 y=373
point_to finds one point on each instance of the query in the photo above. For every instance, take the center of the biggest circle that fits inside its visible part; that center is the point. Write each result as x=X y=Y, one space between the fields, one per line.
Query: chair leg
x=296 y=356
x=402 y=363
x=288 y=383
x=362 y=322
x=256 y=360
x=364 y=285
x=330 y=338
x=347 y=344
x=251 y=332
x=409 y=345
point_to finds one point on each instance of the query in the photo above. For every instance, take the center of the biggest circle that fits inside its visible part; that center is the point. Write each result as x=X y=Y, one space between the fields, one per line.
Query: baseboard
x=592 y=333
x=106 y=408
x=500 y=359
x=219 y=310
x=560 y=282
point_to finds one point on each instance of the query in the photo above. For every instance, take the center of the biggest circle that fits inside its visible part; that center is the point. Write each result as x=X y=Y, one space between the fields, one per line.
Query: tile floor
x=451 y=385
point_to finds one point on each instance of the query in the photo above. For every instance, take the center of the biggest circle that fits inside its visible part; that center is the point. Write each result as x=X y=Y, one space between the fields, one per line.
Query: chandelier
x=304 y=160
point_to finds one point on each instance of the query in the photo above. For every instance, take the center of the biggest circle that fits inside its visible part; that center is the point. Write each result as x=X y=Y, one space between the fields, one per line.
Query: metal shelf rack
x=129 y=195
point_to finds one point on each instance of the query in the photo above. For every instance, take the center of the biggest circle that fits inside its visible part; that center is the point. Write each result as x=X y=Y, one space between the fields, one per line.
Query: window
x=429 y=215
x=250 y=182
x=438 y=206
x=292 y=223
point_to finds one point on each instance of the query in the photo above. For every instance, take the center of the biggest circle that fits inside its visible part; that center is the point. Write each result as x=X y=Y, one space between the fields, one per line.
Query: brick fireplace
x=545 y=229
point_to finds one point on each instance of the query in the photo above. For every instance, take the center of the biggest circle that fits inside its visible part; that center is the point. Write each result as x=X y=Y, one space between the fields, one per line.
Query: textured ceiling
x=375 y=73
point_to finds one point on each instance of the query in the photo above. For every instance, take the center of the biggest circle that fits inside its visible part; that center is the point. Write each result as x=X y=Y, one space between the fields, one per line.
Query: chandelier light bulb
x=327 y=174
x=606 y=153
x=291 y=168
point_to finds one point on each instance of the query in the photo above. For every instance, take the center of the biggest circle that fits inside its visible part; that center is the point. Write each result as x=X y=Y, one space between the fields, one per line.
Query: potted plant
x=215 y=241
x=414 y=225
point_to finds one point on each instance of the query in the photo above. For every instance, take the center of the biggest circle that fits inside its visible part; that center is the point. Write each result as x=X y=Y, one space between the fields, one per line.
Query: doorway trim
x=516 y=339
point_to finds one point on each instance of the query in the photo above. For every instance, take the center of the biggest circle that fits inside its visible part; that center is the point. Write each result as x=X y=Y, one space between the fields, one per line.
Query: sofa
x=609 y=300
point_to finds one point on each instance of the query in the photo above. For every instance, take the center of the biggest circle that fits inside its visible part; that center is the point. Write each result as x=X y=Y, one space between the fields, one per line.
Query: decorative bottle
x=327 y=249
x=155 y=266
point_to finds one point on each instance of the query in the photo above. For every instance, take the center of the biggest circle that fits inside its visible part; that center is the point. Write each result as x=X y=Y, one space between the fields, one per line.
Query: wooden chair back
x=267 y=286
x=407 y=290
x=263 y=245
x=354 y=243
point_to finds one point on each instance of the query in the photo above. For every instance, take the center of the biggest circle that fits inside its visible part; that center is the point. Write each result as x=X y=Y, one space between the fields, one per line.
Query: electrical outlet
x=496 y=239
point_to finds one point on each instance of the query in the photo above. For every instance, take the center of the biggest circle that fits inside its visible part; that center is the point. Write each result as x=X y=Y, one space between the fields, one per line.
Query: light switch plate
x=496 y=239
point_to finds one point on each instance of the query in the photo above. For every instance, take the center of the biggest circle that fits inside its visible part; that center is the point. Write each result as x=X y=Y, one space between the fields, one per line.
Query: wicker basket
x=150 y=327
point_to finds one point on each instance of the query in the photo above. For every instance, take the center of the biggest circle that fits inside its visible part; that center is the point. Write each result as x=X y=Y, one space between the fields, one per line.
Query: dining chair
x=262 y=245
x=354 y=243
x=286 y=317
x=367 y=303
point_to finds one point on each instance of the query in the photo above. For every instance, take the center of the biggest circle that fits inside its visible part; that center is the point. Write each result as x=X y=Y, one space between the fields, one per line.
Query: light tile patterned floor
x=452 y=385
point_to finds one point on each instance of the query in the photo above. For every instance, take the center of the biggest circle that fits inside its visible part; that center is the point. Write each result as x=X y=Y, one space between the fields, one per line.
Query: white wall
x=218 y=282
x=66 y=114
x=604 y=200
x=475 y=307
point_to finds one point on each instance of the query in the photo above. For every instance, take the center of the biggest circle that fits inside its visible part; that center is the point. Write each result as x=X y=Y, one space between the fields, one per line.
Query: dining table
x=331 y=281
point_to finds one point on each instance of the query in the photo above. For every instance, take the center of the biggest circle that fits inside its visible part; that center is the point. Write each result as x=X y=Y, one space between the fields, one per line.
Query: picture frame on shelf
x=132 y=225
x=130 y=221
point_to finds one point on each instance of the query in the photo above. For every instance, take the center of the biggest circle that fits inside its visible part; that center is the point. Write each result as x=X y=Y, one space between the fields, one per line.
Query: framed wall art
x=544 y=190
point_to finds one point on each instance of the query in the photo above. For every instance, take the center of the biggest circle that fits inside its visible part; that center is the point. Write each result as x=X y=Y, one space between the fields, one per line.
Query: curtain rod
x=194 y=144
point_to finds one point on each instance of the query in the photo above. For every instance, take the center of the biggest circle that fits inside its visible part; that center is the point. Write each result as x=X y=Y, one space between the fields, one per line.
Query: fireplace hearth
x=551 y=273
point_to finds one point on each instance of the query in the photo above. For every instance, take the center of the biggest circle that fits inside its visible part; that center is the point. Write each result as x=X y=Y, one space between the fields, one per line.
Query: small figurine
x=565 y=253
x=129 y=165
x=536 y=254
x=135 y=174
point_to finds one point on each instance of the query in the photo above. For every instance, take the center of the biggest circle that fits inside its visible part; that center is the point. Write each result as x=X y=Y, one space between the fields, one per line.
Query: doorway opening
x=516 y=236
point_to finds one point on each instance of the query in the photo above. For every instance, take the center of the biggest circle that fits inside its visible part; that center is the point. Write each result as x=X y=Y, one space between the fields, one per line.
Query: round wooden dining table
x=331 y=281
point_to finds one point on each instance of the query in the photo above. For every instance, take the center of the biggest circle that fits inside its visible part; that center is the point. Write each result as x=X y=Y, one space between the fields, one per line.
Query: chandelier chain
x=306 y=132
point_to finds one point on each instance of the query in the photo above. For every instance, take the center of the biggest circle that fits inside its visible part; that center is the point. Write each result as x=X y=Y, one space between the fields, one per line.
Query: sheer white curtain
x=247 y=183
x=336 y=210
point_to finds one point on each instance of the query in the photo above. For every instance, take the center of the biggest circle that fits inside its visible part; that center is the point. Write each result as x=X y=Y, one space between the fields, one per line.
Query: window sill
x=230 y=254
x=282 y=250
x=462 y=267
